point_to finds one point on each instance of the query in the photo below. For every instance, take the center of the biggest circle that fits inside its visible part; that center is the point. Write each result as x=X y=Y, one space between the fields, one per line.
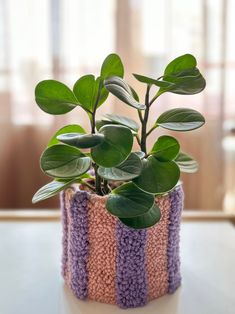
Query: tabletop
x=30 y=281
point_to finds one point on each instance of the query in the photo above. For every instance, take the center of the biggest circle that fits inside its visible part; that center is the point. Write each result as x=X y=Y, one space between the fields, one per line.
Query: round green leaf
x=87 y=89
x=81 y=140
x=112 y=66
x=127 y=170
x=157 y=176
x=181 y=119
x=186 y=163
x=50 y=189
x=180 y=63
x=64 y=161
x=119 y=88
x=54 y=97
x=128 y=201
x=123 y=121
x=115 y=148
x=188 y=82
x=165 y=148
x=146 y=220
x=71 y=128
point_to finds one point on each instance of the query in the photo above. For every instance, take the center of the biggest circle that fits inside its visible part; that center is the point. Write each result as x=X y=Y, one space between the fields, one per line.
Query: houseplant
x=111 y=196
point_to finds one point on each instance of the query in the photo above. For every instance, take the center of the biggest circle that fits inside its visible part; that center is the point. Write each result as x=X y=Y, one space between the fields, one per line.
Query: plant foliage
x=131 y=179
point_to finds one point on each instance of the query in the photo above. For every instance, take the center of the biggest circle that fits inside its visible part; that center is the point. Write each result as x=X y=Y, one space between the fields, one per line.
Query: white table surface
x=30 y=281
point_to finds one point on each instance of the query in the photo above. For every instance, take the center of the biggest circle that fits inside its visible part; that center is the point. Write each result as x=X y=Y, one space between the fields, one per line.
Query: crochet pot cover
x=106 y=261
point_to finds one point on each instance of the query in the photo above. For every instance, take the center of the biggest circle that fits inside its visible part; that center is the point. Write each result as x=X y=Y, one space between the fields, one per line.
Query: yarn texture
x=106 y=261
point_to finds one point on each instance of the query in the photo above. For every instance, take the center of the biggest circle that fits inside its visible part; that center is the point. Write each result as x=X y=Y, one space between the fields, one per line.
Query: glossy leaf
x=190 y=84
x=151 y=81
x=128 y=201
x=146 y=220
x=185 y=78
x=81 y=140
x=130 y=123
x=122 y=90
x=186 y=163
x=54 y=97
x=166 y=148
x=113 y=150
x=62 y=161
x=112 y=66
x=157 y=176
x=50 y=189
x=127 y=170
x=86 y=90
x=180 y=64
x=71 y=128
x=181 y=119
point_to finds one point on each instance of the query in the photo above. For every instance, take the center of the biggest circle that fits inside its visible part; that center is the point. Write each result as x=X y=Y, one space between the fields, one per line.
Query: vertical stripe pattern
x=156 y=251
x=78 y=245
x=176 y=200
x=106 y=261
x=64 y=261
x=101 y=265
x=131 y=276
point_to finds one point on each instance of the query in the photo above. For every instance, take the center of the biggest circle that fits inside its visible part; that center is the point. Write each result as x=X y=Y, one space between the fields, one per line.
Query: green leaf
x=81 y=140
x=190 y=84
x=63 y=161
x=131 y=124
x=146 y=220
x=151 y=81
x=122 y=90
x=71 y=128
x=112 y=66
x=127 y=170
x=50 y=189
x=87 y=89
x=186 y=163
x=157 y=176
x=128 y=201
x=54 y=97
x=185 y=78
x=116 y=147
x=180 y=64
x=166 y=148
x=181 y=119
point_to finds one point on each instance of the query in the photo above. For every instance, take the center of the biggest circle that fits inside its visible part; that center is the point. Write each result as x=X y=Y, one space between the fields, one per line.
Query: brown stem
x=95 y=166
x=144 y=122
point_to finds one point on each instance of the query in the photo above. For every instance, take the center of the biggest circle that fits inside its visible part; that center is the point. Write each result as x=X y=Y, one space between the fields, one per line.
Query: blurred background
x=65 y=39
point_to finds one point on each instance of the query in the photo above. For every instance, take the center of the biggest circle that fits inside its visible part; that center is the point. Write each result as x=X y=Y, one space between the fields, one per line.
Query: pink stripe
x=102 y=251
x=156 y=255
x=68 y=194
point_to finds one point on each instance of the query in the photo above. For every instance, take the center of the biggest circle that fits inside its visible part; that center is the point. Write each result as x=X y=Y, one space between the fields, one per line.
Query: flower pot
x=106 y=261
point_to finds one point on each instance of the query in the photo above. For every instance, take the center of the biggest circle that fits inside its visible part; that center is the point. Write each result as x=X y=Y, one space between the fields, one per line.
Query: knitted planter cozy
x=106 y=261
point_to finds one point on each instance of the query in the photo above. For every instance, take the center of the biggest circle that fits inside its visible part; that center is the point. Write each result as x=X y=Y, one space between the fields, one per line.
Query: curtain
x=64 y=39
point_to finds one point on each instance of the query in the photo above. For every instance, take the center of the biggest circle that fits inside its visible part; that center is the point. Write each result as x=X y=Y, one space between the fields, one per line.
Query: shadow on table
x=168 y=304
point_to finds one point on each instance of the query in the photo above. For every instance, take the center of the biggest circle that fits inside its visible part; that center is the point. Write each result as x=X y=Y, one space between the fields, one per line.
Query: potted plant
x=121 y=209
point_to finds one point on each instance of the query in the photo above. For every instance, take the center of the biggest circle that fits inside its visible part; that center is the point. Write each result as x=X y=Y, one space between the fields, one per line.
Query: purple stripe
x=131 y=277
x=78 y=245
x=64 y=269
x=173 y=264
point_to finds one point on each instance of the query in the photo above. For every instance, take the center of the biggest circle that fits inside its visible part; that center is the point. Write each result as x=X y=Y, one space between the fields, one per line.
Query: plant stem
x=98 y=189
x=88 y=185
x=144 y=122
x=152 y=129
x=140 y=115
x=137 y=138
